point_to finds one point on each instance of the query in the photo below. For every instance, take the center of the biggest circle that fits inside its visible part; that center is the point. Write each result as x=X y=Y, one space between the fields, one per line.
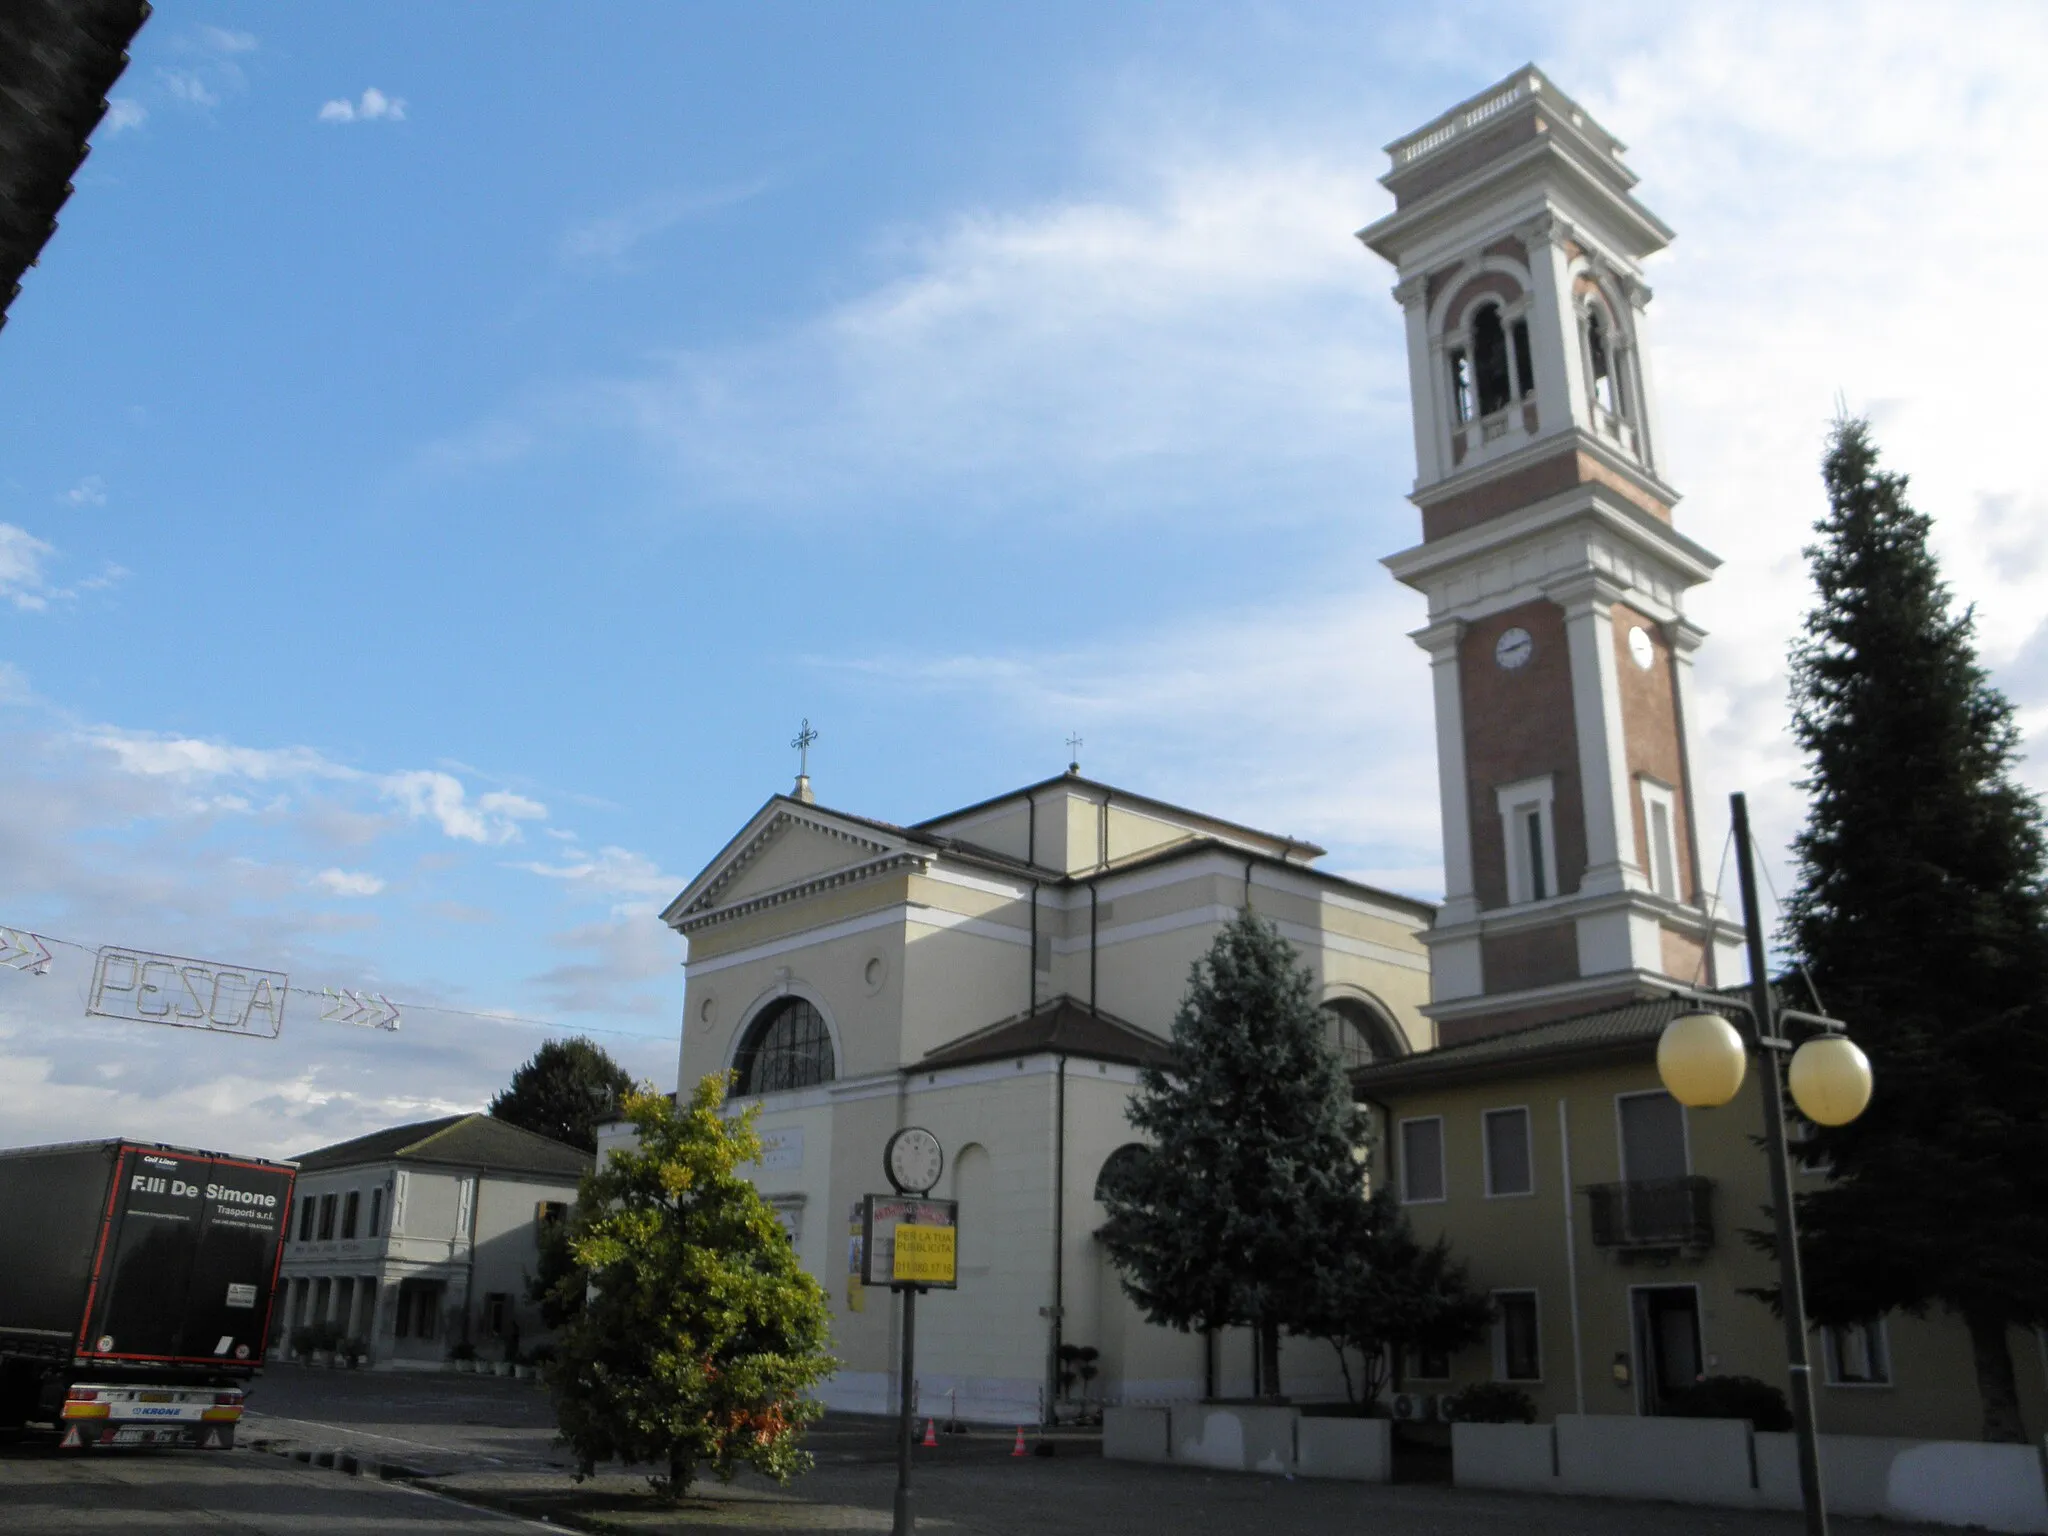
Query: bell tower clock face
x=1513 y=648
x=913 y=1160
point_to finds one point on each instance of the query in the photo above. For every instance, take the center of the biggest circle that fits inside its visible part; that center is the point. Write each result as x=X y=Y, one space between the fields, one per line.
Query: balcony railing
x=1654 y=1214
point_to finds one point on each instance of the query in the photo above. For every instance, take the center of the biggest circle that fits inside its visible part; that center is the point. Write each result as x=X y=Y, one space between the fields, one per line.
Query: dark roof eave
x=1414 y=1072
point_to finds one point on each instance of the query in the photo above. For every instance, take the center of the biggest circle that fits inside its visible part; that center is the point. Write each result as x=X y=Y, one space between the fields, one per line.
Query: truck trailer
x=135 y=1289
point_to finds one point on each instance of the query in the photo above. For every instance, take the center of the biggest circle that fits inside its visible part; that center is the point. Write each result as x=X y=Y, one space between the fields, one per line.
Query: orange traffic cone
x=931 y=1435
x=1018 y=1449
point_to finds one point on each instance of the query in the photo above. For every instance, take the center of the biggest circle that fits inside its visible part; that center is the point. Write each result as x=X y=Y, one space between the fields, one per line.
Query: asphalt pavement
x=489 y=1441
x=44 y=1492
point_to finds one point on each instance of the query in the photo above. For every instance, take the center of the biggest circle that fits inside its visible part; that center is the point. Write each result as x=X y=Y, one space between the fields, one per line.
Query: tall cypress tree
x=1921 y=916
x=1239 y=1205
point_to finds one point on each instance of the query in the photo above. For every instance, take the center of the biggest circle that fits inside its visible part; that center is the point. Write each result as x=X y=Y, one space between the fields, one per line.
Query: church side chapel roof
x=1060 y=1026
x=1625 y=1032
x=466 y=1141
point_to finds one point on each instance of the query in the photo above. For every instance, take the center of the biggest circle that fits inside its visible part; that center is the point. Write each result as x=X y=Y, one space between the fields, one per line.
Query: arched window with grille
x=1356 y=1033
x=788 y=1046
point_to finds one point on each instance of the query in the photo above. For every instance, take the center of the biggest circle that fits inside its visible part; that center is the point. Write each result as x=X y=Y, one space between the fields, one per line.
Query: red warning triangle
x=71 y=1439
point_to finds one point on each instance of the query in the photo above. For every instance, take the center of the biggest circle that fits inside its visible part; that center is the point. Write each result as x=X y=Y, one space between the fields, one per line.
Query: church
x=999 y=973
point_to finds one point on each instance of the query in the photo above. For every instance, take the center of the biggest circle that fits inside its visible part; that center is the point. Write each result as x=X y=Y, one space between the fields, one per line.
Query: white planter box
x=1135 y=1434
x=1942 y=1482
x=1689 y=1461
x=1516 y=1456
x=1359 y=1450
x=1234 y=1437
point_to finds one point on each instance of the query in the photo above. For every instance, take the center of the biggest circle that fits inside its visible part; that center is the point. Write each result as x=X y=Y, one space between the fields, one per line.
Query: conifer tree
x=1920 y=915
x=1243 y=1198
x=697 y=1339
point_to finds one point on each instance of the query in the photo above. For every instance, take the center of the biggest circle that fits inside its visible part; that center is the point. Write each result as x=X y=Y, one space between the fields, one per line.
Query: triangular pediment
x=788 y=850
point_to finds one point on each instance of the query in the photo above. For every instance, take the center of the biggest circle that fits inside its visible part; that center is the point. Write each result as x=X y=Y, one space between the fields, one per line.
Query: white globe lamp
x=1702 y=1060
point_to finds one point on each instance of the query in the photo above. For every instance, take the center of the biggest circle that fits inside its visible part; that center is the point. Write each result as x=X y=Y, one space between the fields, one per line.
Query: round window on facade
x=787 y=1047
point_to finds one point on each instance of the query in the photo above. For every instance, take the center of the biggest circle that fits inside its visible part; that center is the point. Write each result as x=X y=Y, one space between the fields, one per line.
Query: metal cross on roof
x=802 y=742
x=1074 y=752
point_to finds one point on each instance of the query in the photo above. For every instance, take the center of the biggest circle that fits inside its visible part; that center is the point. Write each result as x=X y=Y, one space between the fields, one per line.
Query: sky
x=445 y=454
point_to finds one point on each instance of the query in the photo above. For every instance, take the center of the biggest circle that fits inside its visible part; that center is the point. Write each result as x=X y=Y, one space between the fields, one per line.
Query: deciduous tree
x=700 y=1336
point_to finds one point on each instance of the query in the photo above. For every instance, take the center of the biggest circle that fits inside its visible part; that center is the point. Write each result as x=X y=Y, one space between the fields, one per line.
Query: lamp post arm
x=1791 y=1289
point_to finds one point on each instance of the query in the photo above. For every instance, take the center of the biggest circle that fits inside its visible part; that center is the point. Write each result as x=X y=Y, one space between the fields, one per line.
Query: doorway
x=1668 y=1354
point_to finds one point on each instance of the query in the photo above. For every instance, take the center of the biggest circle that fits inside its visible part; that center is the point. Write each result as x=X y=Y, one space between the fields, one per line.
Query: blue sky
x=444 y=454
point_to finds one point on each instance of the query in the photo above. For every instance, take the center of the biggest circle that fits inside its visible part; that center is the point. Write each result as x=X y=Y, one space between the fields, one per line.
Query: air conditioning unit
x=1414 y=1407
x=1445 y=1405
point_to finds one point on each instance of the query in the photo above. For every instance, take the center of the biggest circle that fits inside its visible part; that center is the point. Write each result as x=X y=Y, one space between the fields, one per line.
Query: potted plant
x=315 y=1343
x=355 y=1351
x=462 y=1356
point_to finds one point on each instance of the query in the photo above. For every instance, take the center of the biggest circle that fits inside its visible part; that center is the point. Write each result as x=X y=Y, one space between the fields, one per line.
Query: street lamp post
x=1702 y=1060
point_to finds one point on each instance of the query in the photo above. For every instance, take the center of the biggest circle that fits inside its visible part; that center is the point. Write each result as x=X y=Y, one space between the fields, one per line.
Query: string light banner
x=147 y=988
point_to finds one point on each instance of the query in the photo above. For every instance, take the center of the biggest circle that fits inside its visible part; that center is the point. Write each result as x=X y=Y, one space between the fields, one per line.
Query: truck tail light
x=226 y=1409
x=84 y=1403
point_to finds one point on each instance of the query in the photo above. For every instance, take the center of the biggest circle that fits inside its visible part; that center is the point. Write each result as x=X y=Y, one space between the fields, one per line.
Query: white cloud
x=373 y=106
x=1194 y=332
x=344 y=882
x=612 y=872
x=22 y=581
x=189 y=87
x=494 y=818
x=89 y=492
x=124 y=112
x=422 y=793
x=221 y=40
x=611 y=239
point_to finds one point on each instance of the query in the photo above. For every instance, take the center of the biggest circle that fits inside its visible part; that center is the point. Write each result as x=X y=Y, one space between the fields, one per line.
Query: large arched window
x=1119 y=1166
x=788 y=1046
x=1356 y=1033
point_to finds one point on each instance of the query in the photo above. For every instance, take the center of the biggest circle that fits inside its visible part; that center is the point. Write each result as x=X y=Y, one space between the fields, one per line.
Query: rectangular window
x=1652 y=1138
x=1660 y=830
x=351 y=1208
x=1422 y=1160
x=1516 y=1355
x=419 y=1310
x=547 y=1212
x=326 y=1218
x=1856 y=1354
x=498 y=1313
x=1508 y=1170
x=377 y=1211
x=307 y=1205
x=1531 y=842
x=1427 y=1362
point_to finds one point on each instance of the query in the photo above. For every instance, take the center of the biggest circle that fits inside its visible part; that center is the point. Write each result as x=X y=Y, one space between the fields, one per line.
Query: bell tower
x=1554 y=575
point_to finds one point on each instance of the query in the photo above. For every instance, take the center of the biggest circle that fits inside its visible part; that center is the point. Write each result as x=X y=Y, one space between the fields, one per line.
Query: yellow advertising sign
x=924 y=1255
